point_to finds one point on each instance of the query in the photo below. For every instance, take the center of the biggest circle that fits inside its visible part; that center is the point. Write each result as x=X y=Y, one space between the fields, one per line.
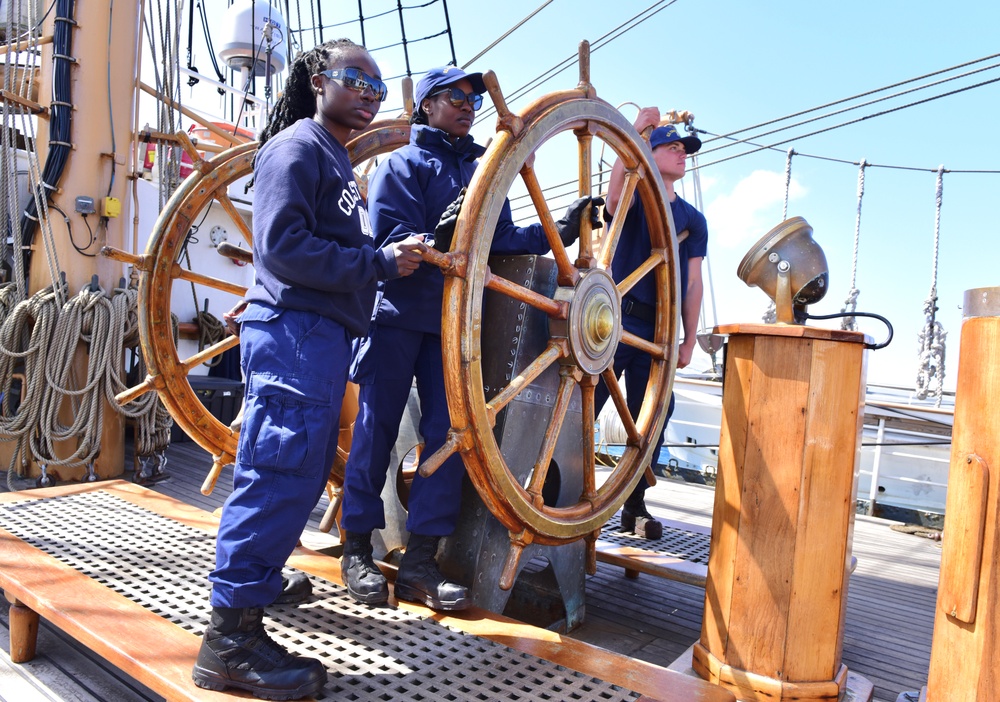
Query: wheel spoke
x=587 y=386
x=541 y=470
x=609 y=242
x=554 y=351
x=455 y=442
x=656 y=257
x=230 y=208
x=150 y=383
x=654 y=350
x=217 y=283
x=568 y=274
x=585 y=140
x=634 y=438
x=559 y=310
x=210 y=352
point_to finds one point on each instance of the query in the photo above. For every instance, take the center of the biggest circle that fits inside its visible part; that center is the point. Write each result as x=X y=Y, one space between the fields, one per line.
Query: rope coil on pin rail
x=24 y=345
x=931 y=340
x=851 y=304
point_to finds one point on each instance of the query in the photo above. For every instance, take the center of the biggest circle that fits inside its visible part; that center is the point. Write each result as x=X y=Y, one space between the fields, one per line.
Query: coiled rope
x=25 y=337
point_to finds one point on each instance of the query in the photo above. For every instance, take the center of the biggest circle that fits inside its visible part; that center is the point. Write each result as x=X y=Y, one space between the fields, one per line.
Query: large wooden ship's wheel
x=584 y=314
x=585 y=321
x=164 y=263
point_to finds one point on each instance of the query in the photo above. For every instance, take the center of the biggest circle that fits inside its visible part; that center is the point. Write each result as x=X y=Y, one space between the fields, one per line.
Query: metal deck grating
x=379 y=653
x=686 y=545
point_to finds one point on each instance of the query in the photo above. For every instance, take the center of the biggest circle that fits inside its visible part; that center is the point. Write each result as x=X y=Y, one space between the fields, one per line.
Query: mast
x=102 y=65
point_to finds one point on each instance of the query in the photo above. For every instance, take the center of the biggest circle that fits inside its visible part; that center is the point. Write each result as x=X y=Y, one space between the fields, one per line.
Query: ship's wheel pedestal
x=776 y=591
x=549 y=591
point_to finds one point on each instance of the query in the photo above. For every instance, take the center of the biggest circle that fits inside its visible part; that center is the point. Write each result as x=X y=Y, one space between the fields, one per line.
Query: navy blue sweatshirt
x=312 y=240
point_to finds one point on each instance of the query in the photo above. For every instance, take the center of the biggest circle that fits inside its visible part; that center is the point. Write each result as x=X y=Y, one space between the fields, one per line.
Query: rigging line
x=407 y=42
x=369 y=18
x=853 y=121
x=402 y=33
x=600 y=42
x=208 y=42
x=565 y=64
x=505 y=35
x=447 y=27
x=855 y=107
x=852 y=163
x=859 y=95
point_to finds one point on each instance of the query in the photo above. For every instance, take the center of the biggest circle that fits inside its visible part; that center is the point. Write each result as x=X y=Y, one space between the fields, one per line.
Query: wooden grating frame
x=372 y=653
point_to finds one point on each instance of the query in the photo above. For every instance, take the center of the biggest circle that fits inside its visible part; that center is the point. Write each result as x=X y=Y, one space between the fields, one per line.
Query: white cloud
x=743 y=215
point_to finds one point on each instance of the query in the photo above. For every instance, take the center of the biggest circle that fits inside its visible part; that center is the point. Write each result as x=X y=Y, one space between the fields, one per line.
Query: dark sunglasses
x=356 y=79
x=457 y=98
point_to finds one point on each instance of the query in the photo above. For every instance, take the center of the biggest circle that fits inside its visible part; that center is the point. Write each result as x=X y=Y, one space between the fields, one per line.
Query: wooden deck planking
x=890 y=610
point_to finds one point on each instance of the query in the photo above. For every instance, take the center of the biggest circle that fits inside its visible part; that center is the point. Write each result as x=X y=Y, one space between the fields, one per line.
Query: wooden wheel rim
x=211 y=177
x=506 y=498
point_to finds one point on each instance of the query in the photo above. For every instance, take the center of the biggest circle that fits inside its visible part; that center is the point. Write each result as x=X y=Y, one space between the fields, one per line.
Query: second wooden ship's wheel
x=585 y=321
x=164 y=263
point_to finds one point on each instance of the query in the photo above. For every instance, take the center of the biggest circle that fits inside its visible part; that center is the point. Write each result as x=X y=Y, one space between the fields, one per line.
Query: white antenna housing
x=243 y=45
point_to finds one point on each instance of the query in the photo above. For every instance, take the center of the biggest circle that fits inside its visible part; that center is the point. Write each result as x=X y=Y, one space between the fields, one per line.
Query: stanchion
x=965 y=652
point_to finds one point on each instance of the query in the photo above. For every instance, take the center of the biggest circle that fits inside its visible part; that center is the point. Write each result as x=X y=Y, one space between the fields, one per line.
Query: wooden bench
x=681 y=554
x=160 y=654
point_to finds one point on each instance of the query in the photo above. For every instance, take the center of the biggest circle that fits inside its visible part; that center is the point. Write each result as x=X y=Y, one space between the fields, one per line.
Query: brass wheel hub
x=593 y=326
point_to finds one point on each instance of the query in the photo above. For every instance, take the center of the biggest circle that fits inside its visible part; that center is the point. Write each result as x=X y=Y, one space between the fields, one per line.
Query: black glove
x=569 y=226
x=445 y=229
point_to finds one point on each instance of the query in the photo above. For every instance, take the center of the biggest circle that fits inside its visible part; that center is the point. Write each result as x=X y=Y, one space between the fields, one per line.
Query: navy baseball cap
x=444 y=76
x=668 y=135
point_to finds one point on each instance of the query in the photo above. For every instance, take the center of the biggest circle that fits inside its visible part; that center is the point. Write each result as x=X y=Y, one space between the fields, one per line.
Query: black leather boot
x=364 y=580
x=637 y=519
x=419 y=579
x=295 y=588
x=236 y=652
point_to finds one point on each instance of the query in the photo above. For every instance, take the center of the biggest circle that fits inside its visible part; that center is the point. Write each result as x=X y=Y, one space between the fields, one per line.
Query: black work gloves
x=569 y=226
x=445 y=229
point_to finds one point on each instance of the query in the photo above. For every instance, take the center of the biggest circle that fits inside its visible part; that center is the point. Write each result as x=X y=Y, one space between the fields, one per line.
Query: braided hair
x=298 y=101
x=418 y=116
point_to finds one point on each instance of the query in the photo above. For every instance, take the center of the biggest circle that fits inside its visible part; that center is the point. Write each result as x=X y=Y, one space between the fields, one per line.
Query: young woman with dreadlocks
x=316 y=269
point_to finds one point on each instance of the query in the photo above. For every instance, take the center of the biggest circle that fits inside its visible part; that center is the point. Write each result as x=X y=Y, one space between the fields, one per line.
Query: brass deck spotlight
x=790 y=267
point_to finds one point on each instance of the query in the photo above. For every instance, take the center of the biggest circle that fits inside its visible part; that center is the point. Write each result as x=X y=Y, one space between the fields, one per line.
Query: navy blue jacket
x=312 y=240
x=407 y=195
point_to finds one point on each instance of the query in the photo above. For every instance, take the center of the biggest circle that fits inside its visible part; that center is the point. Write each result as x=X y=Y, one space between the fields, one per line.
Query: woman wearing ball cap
x=670 y=152
x=408 y=194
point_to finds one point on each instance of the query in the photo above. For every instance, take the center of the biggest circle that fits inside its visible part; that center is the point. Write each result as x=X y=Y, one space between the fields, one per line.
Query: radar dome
x=243 y=45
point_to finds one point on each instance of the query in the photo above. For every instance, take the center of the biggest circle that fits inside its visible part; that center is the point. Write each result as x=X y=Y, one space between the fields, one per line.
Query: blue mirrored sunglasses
x=356 y=79
x=458 y=98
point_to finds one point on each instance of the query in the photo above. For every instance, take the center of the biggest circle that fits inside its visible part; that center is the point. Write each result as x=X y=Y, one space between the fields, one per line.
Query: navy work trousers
x=295 y=365
x=636 y=365
x=385 y=374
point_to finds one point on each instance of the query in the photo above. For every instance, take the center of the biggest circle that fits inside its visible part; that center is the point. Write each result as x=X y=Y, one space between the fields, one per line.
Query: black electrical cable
x=208 y=42
x=60 y=121
x=841 y=315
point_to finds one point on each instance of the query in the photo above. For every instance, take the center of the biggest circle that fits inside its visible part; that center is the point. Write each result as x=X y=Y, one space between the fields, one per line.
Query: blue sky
x=734 y=64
